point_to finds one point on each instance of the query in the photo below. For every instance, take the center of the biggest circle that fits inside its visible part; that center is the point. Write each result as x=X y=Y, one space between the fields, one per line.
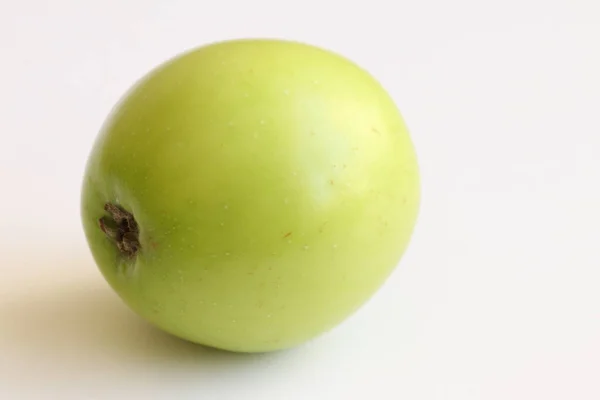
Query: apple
x=251 y=194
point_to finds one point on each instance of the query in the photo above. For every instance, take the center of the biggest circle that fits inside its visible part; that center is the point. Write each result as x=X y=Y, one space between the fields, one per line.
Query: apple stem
x=121 y=227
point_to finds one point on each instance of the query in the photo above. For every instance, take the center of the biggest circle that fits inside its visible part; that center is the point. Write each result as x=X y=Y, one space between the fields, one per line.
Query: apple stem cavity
x=121 y=227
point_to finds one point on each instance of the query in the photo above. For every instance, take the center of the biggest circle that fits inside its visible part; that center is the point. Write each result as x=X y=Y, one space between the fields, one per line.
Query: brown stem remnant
x=120 y=226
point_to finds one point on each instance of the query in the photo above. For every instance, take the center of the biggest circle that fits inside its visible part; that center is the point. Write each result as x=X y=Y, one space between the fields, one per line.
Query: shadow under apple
x=80 y=327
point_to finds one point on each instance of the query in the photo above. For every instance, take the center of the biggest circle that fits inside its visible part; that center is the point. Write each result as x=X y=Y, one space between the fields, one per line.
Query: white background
x=498 y=296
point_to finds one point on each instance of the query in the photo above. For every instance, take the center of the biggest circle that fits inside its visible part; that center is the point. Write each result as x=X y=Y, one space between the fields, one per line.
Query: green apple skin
x=275 y=188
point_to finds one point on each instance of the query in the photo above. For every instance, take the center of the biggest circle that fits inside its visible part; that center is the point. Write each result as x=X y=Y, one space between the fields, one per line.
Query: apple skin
x=274 y=185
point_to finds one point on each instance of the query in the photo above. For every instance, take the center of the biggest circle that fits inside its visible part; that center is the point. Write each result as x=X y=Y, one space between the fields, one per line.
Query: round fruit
x=251 y=194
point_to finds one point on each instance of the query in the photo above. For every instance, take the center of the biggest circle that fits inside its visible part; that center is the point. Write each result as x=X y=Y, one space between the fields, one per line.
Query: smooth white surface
x=498 y=296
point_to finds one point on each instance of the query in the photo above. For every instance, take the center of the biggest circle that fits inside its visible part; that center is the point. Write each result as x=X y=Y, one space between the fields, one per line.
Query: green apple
x=251 y=194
